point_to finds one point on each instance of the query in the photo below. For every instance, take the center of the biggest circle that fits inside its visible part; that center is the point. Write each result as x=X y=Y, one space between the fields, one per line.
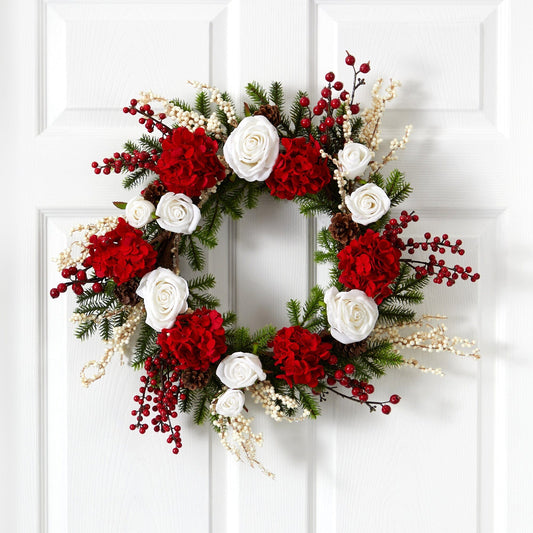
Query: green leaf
x=120 y=205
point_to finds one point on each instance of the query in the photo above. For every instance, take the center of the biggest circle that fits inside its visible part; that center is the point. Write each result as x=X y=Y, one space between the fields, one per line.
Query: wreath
x=206 y=162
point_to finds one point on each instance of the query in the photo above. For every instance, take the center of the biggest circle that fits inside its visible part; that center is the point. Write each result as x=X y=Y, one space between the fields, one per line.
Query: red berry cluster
x=328 y=102
x=125 y=160
x=147 y=119
x=360 y=390
x=437 y=269
x=159 y=395
x=77 y=278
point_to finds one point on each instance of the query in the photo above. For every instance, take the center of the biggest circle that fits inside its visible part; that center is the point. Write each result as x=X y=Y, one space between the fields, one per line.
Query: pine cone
x=126 y=292
x=271 y=112
x=343 y=229
x=349 y=351
x=346 y=351
x=194 y=379
x=154 y=192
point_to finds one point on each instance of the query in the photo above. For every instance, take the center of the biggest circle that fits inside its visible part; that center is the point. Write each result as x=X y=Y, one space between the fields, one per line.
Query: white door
x=455 y=454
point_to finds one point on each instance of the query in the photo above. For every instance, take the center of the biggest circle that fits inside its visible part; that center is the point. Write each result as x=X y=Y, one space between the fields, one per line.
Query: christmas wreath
x=205 y=162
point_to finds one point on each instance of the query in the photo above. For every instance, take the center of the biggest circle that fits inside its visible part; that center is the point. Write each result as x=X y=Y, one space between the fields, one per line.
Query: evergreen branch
x=131 y=147
x=186 y=405
x=85 y=329
x=145 y=345
x=201 y=409
x=105 y=329
x=276 y=95
x=313 y=304
x=203 y=103
x=373 y=363
x=307 y=401
x=150 y=143
x=294 y=310
x=394 y=314
x=202 y=283
x=181 y=103
x=256 y=93
x=397 y=188
x=197 y=300
x=194 y=254
x=229 y=318
x=136 y=177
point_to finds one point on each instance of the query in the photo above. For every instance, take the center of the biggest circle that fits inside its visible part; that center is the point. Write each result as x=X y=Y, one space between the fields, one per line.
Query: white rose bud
x=252 y=148
x=230 y=403
x=240 y=370
x=139 y=212
x=368 y=204
x=165 y=297
x=352 y=315
x=354 y=158
x=177 y=213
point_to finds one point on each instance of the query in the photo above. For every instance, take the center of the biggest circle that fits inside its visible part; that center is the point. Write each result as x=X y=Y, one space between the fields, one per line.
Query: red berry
x=330 y=76
x=133 y=427
x=97 y=287
x=304 y=101
x=326 y=93
x=394 y=399
x=335 y=103
x=54 y=293
x=133 y=102
x=349 y=59
x=339 y=374
x=338 y=85
x=322 y=104
x=72 y=270
x=369 y=388
x=332 y=360
x=329 y=122
x=364 y=68
x=324 y=139
x=349 y=368
x=94 y=164
x=77 y=288
x=345 y=382
x=344 y=95
x=356 y=391
x=81 y=275
x=62 y=287
x=65 y=273
x=331 y=381
x=97 y=170
x=385 y=409
x=363 y=397
x=305 y=123
x=354 y=109
x=126 y=109
x=339 y=121
x=322 y=127
x=317 y=110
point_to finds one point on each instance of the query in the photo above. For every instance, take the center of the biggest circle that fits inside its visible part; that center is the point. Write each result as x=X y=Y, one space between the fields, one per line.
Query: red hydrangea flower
x=195 y=341
x=299 y=354
x=121 y=254
x=298 y=171
x=189 y=162
x=370 y=263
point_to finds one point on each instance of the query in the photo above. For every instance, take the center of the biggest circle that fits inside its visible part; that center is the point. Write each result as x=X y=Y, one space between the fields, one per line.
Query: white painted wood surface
x=455 y=454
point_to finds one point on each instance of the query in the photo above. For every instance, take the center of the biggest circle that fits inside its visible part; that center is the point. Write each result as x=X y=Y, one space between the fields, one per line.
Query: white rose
x=177 y=213
x=240 y=370
x=165 y=297
x=354 y=158
x=230 y=403
x=139 y=212
x=252 y=148
x=352 y=315
x=368 y=204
